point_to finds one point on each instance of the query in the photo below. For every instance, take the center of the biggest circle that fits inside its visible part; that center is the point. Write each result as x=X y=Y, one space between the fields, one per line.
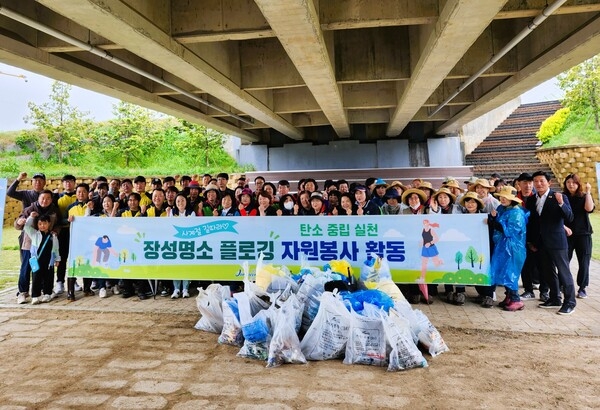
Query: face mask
x=288 y=205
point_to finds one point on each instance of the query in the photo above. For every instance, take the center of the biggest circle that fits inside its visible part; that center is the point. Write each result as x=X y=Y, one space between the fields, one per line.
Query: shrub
x=553 y=125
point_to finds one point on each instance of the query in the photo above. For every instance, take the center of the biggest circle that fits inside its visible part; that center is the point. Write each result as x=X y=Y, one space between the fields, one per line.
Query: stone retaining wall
x=573 y=159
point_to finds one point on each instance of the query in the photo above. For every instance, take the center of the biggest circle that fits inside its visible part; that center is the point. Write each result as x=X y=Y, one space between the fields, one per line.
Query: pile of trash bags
x=320 y=314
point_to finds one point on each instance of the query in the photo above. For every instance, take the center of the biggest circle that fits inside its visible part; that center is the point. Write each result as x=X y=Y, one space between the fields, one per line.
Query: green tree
x=458 y=258
x=199 y=142
x=471 y=256
x=63 y=126
x=581 y=85
x=480 y=259
x=130 y=136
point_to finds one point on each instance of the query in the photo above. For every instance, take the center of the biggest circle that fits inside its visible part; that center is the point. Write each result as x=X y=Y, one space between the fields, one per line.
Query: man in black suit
x=547 y=238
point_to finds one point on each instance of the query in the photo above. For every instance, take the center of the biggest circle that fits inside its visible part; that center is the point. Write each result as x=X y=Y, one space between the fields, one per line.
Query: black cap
x=67 y=177
x=525 y=176
x=156 y=181
x=139 y=178
x=39 y=175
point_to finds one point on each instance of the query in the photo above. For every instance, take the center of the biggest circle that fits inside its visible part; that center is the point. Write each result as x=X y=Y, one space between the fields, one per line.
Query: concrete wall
x=445 y=151
x=335 y=155
x=476 y=131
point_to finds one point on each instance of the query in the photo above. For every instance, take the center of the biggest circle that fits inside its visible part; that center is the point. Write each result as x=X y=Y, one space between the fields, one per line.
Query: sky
x=16 y=93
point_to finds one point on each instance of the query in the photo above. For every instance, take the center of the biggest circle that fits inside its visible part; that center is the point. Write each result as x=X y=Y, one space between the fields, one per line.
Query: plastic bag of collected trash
x=209 y=303
x=270 y=278
x=429 y=336
x=375 y=274
x=373 y=296
x=310 y=294
x=285 y=345
x=404 y=352
x=366 y=341
x=232 y=328
x=327 y=336
x=254 y=328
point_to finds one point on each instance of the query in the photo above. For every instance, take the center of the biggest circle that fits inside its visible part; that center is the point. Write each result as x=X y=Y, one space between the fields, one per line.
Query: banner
x=3 y=185
x=456 y=248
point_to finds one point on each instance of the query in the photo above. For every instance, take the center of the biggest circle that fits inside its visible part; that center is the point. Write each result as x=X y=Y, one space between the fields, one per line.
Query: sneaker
x=514 y=305
x=88 y=292
x=565 y=310
x=544 y=297
x=59 y=288
x=527 y=295
x=115 y=290
x=77 y=287
x=164 y=293
x=47 y=298
x=450 y=297
x=94 y=285
x=185 y=294
x=22 y=298
x=102 y=293
x=36 y=301
x=550 y=304
x=581 y=294
x=488 y=302
x=459 y=299
x=175 y=294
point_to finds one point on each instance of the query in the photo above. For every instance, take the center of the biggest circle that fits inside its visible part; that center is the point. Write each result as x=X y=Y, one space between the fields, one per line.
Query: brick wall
x=573 y=159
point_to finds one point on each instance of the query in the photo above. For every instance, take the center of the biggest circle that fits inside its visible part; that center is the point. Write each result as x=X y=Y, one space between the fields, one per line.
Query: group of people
x=534 y=230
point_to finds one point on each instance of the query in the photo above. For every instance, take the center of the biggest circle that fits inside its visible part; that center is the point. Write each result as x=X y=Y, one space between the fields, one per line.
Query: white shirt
x=540 y=201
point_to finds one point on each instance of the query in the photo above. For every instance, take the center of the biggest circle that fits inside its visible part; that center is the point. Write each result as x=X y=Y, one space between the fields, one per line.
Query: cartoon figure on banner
x=428 y=249
x=102 y=250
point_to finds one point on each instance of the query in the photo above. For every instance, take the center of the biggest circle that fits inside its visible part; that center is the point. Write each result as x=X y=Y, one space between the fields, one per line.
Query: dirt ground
x=67 y=359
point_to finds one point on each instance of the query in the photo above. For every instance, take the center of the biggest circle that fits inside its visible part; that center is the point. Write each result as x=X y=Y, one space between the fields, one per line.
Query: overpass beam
x=296 y=24
x=459 y=19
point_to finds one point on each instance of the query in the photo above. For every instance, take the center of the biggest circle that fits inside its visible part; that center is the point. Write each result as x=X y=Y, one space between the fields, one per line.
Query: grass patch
x=595 y=221
x=10 y=259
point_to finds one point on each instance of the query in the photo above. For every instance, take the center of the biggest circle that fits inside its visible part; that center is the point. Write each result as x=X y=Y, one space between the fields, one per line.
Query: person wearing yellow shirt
x=63 y=201
x=139 y=186
x=81 y=207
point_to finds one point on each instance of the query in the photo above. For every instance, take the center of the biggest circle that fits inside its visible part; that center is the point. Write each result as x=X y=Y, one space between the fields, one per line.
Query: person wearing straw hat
x=483 y=189
x=509 y=224
x=443 y=202
x=398 y=186
x=414 y=199
x=472 y=204
x=429 y=191
x=454 y=187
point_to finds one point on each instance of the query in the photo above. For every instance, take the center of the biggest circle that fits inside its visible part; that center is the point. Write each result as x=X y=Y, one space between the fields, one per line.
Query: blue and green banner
x=420 y=248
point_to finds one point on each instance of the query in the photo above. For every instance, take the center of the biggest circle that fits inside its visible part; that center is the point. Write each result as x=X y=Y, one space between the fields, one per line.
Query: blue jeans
x=177 y=284
x=24 y=272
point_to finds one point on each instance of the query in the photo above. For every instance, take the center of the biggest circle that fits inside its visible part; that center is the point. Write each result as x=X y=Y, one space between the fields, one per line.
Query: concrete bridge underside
x=275 y=72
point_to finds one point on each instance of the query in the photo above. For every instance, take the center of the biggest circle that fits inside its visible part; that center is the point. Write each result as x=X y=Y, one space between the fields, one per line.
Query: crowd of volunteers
x=534 y=230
